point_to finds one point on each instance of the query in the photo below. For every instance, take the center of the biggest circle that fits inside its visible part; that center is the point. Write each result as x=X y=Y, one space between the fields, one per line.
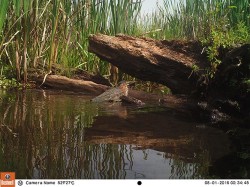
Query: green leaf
x=231 y=7
x=17 y=7
x=26 y=6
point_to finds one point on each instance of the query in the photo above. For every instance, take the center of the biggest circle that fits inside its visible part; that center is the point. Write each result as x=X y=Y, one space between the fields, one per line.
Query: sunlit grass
x=194 y=19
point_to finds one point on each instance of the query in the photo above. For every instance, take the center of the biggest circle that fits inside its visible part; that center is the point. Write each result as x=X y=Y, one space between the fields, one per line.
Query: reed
x=195 y=19
x=3 y=10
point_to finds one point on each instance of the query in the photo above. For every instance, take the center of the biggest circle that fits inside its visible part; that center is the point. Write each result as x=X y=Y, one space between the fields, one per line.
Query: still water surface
x=53 y=134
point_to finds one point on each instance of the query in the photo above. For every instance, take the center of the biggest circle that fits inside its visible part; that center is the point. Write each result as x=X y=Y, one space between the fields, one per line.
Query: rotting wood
x=168 y=63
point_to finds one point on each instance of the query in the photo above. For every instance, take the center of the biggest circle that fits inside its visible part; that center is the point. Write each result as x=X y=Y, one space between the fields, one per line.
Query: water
x=53 y=134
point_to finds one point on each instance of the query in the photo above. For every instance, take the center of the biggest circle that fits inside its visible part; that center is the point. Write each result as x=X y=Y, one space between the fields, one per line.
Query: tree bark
x=64 y=83
x=170 y=63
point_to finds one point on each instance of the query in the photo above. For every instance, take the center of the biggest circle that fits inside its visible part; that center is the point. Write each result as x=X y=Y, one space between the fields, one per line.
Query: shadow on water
x=47 y=134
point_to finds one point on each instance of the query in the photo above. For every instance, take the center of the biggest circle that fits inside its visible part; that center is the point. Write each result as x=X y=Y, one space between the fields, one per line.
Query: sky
x=150 y=5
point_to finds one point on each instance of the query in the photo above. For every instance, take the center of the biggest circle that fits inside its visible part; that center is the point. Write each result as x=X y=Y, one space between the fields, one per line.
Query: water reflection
x=45 y=134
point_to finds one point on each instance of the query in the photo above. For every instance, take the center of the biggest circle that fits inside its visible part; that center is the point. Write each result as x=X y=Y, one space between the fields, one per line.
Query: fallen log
x=89 y=87
x=65 y=83
x=170 y=63
x=84 y=75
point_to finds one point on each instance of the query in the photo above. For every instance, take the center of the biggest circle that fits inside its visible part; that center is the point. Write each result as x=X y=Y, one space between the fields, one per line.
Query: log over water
x=168 y=63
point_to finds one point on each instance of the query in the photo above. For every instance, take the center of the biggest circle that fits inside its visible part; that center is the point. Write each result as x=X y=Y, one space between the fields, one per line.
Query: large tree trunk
x=170 y=63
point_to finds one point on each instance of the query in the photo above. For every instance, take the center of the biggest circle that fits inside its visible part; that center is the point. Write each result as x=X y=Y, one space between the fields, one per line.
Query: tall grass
x=41 y=33
x=195 y=19
x=47 y=32
x=3 y=10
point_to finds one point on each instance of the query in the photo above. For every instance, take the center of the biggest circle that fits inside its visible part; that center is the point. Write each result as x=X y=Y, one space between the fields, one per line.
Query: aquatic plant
x=38 y=34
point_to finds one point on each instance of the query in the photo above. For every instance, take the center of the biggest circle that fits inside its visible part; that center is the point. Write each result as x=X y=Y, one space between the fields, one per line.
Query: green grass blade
x=17 y=7
x=3 y=10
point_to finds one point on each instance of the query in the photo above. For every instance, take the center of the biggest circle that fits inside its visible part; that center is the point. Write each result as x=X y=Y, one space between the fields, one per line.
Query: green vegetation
x=7 y=83
x=38 y=34
x=41 y=33
x=197 y=19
